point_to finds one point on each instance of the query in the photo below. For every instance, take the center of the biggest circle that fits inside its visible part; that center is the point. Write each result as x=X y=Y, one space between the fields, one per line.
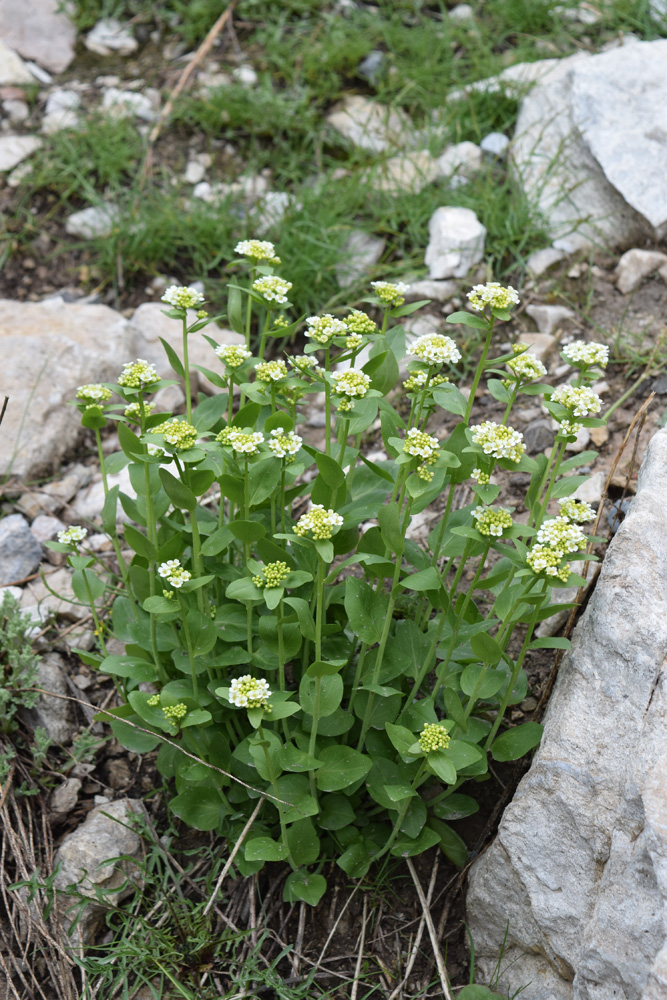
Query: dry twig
x=439 y=961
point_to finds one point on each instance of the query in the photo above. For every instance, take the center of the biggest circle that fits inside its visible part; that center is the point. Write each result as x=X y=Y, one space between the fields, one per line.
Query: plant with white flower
x=543 y=559
x=359 y=323
x=418 y=379
x=390 y=293
x=421 y=445
x=433 y=737
x=324 y=328
x=182 y=297
x=272 y=575
x=271 y=371
x=174 y=573
x=93 y=394
x=570 y=428
x=579 y=399
x=133 y=411
x=272 y=288
x=138 y=374
x=583 y=355
x=243 y=442
x=492 y=520
x=525 y=367
x=494 y=295
x=483 y=478
x=435 y=349
x=232 y=355
x=498 y=440
x=318 y=522
x=257 y=250
x=576 y=510
x=285 y=444
x=249 y=692
x=154 y=451
x=560 y=534
x=179 y=434
x=72 y=536
x=350 y=384
x=304 y=363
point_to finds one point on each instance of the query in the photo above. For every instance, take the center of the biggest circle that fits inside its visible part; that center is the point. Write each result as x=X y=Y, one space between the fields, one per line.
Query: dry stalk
x=439 y=961
x=360 y=954
x=420 y=932
x=235 y=850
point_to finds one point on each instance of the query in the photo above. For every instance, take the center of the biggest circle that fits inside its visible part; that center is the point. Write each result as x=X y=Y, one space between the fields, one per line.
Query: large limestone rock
x=39 y=30
x=589 y=145
x=370 y=125
x=578 y=870
x=12 y=68
x=48 y=349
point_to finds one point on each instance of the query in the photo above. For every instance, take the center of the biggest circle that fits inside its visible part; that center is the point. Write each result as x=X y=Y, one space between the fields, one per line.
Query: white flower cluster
x=483 y=478
x=420 y=444
x=137 y=374
x=93 y=393
x=526 y=367
x=271 y=371
x=173 y=573
x=351 y=382
x=557 y=537
x=319 y=522
x=249 y=692
x=241 y=441
x=72 y=536
x=583 y=355
x=133 y=411
x=272 y=288
x=257 y=250
x=498 y=440
x=284 y=444
x=181 y=297
x=324 y=328
x=581 y=400
x=559 y=533
x=494 y=295
x=390 y=293
x=492 y=520
x=435 y=349
x=232 y=355
x=304 y=361
x=576 y=510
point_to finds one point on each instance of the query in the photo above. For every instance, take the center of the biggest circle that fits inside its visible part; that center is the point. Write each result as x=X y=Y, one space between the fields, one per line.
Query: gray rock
x=62 y=100
x=658 y=8
x=541 y=344
x=371 y=67
x=43 y=603
x=456 y=242
x=109 y=36
x=82 y=860
x=591 y=490
x=541 y=260
x=12 y=68
x=126 y=103
x=246 y=75
x=407 y=173
x=463 y=159
x=57 y=121
x=52 y=713
x=89 y=502
x=462 y=12
x=538 y=436
x=16 y=111
x=495 y=144
x=370 y=125
x=549 y=318
x=438 y=291
x=48 y=349
x=578 y=868
x=194 y=172
x=635 y=265
x=39 y=30
x=272 y=210
x=16 y=148
x=89 y=223
x=20 y=552
x=580 y=443
x=45 y=528
x=359 y=255
x=64 y=798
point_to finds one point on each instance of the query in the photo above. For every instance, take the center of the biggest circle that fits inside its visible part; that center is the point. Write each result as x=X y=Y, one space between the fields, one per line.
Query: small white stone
x=541 y=260
x=581 y=442
x=57 y=121
x=274 y=206
x=549 y=318
x=462 y=12
x=461 y=160
x=635 y=265
x=123 y=103
x=456 y=242
x=246 y=75
x=495 y=144
x=13 y=71
x=98 y=220
x=109 y=36
x=360 y=253
x=194 y=172
x=438 y=291
x=16 y=111
x=16 y=148
x=62 y=100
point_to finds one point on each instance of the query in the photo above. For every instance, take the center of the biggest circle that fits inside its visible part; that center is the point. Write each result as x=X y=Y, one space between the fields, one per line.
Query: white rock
x=48 y=349
x=461 y=160
x=541 y=260
x=591 y=490
x=462 y=12
x=149 y=323
x=13 y=70
x=39 y=30
x=585 y=13
x=194 y=172
x=580 y=443
x=359 y=255
x=98 y=220
x=62 y=100
x=83 y=860
x=540 y=344
x=370 y=125
x=64 y=797
x=635 y=265
x=456 y=242
x=38 y=73
x=245 y=74
x=57 y=121
x=16 y=111
x=88 y=504
x=495 y=144
x=549 y=318
x=109 y=36
x=578 y=869
x=272 y=210
x=407 y=173
x=124 y=103
x=438 y=291
x=52 y=711
x=16 y=148
x=658 y=8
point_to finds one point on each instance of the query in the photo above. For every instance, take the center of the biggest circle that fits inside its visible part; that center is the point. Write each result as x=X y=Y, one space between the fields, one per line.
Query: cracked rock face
x=578 y=871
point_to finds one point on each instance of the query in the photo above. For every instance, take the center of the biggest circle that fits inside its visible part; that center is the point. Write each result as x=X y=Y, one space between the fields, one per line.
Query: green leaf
x=554 y=642
x=201 y=808
x=128 y=666
x=463 y=754
x=129 y=441
x=467 y=319
x=179 y=494
x=486 y=648
x=426 y=579
x=235 y=310
x=355 y=861
x=174 y=359
x=498 y=390
x=86 y=586
x=341 y=767
x=408 y=847
x=265 y=849
x=336 y=812
x=247 y=416
x=383 y=370
x=474 y=992
x=276 y=420
x=160 y=605
x=480 y=682
x=452 y=846
x=389 y=519
x=293 y=759
x=565 y=487
x=455 y=708
x=517 y=741
x=201 y=480
x=109 y=511
x=217 y=542
x=304 y=886
x=304 y=844
x=322 y=668
x=232 y=489
x=366 y=609
x=450 y=398
x=306 y=623
x=330 y=694
x=244 y=590
x=456 y=806
x=93 y=418
x=442 y=766
x=138 y=542
x=247 y=531
x=402 y=739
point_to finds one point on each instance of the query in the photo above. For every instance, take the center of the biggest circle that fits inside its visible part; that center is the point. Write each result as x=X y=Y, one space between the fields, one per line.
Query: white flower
x=319 y=522
x=232 y=355
x=390 y=293
x=420 y=445
x=351 y=382
x=72 y=536
x=525 y=366
x=257 y=250
x=494 y=295
x=581 y=400
x=173 y=573
x=581 y=355
x=181 y=297
x=435 y=349
x=137 y=374
x=561 y=535
x=324 y=328
x=249 y=692
x=576 y=510
x=498 y=440
x=272 y=288
x=284 y=445
x=492 y=520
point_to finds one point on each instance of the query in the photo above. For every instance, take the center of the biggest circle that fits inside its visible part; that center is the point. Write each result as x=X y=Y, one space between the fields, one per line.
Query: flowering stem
x=188 y=643
x=555 y=466
x=422 y=396
x=478 y=374
x=405 y=805
x=246 y=548
x=319 y=607
x=262 y=342
x=343 y=440
x=186 y=370
x=327 y=404
x=282 y=499
x=281 y=648
x=98 y=626
x=279 y=805
x=248 y=312
x=357 y=675
x=443 y=524
x=100 y=455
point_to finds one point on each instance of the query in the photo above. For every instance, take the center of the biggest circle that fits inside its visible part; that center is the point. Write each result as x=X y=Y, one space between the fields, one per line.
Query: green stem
x=100 y=456
x=327 y=404
x=357 y=675
x=262 y=342
x=188 y=643
x=552 y=477
x=443 y=524
x=98 y=626
x=380 y=651
x=343 y=440
x=478 y=374
x=186 y=370
x=319 y=607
